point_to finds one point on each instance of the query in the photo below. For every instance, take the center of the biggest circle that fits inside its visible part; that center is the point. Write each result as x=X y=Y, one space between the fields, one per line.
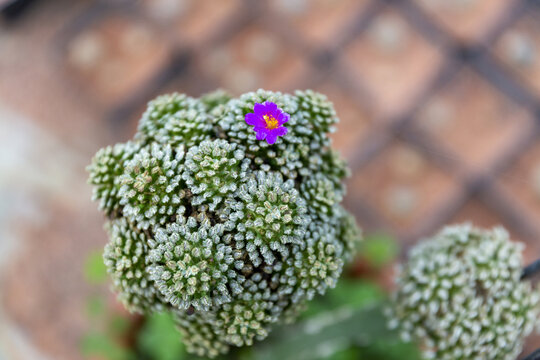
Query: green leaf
x=353 y=292
x=390 y=351
x=357 y=293
x=160 y=340
x=102 y=346
x=118 y=325
x=315 y=307
x=95 y=307
x=327 y=334
x=347 y=354
x=95 y=271
x=379 y=249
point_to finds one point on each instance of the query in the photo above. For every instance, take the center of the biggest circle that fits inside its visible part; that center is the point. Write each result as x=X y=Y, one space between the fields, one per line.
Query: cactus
x=461 y=296
x=232 y=231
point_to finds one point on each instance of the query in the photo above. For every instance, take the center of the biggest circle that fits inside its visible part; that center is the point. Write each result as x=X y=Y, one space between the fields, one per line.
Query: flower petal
x=271 y=137
x=261 y=128
x=283 y=118
x=259 y=109
x=251 y=119
x=271 y=107
x=261 y=135
x=281 y=131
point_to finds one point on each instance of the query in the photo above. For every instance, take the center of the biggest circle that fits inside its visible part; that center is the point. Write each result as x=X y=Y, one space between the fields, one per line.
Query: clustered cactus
x=461 y=296
x=227 y=232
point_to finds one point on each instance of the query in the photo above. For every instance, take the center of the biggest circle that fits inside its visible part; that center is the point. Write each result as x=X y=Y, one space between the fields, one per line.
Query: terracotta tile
x=126 y=120
x=393 y=62
x=192 y=21
x=479 y=214
x=468 y=20
x=43 y=289
x=356 y=120
x=472 y=119
x=320 y=22
x=68 y=93
x=254 y=58
x=519 y=49
x=403 y=186
x=521 y=182
x=34 y=85
x=47 y=225
x=115 y=56
x=531 y=344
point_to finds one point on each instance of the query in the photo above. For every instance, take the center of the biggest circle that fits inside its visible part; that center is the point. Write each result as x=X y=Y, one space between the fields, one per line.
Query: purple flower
x=267 y=120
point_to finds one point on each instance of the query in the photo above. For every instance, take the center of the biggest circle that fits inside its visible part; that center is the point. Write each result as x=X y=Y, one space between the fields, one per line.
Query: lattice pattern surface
x=439 y=104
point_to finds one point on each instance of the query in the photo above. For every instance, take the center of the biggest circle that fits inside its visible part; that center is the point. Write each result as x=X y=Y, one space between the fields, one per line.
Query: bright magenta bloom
x=267 y=120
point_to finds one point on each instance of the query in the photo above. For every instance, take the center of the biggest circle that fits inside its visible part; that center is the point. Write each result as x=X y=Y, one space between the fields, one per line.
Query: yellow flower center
x=271 y=122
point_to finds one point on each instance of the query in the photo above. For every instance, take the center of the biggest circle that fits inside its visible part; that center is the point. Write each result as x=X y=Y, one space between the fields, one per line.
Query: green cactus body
x=228 y=233
x=460 y=296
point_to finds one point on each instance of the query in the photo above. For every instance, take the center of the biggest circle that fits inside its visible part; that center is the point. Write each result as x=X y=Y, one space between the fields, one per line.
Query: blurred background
x=440 y=121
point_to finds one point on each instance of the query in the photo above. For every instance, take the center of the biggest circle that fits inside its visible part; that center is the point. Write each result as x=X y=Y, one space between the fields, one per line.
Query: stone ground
x=439 y=106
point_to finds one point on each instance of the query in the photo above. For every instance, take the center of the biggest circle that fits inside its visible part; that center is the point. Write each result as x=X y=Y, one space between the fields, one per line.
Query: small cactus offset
x=461 y=296
x=221 y=215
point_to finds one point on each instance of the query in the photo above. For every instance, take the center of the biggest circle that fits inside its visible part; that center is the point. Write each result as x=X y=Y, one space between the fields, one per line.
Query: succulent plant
x=231 y=230
x=461 y=296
